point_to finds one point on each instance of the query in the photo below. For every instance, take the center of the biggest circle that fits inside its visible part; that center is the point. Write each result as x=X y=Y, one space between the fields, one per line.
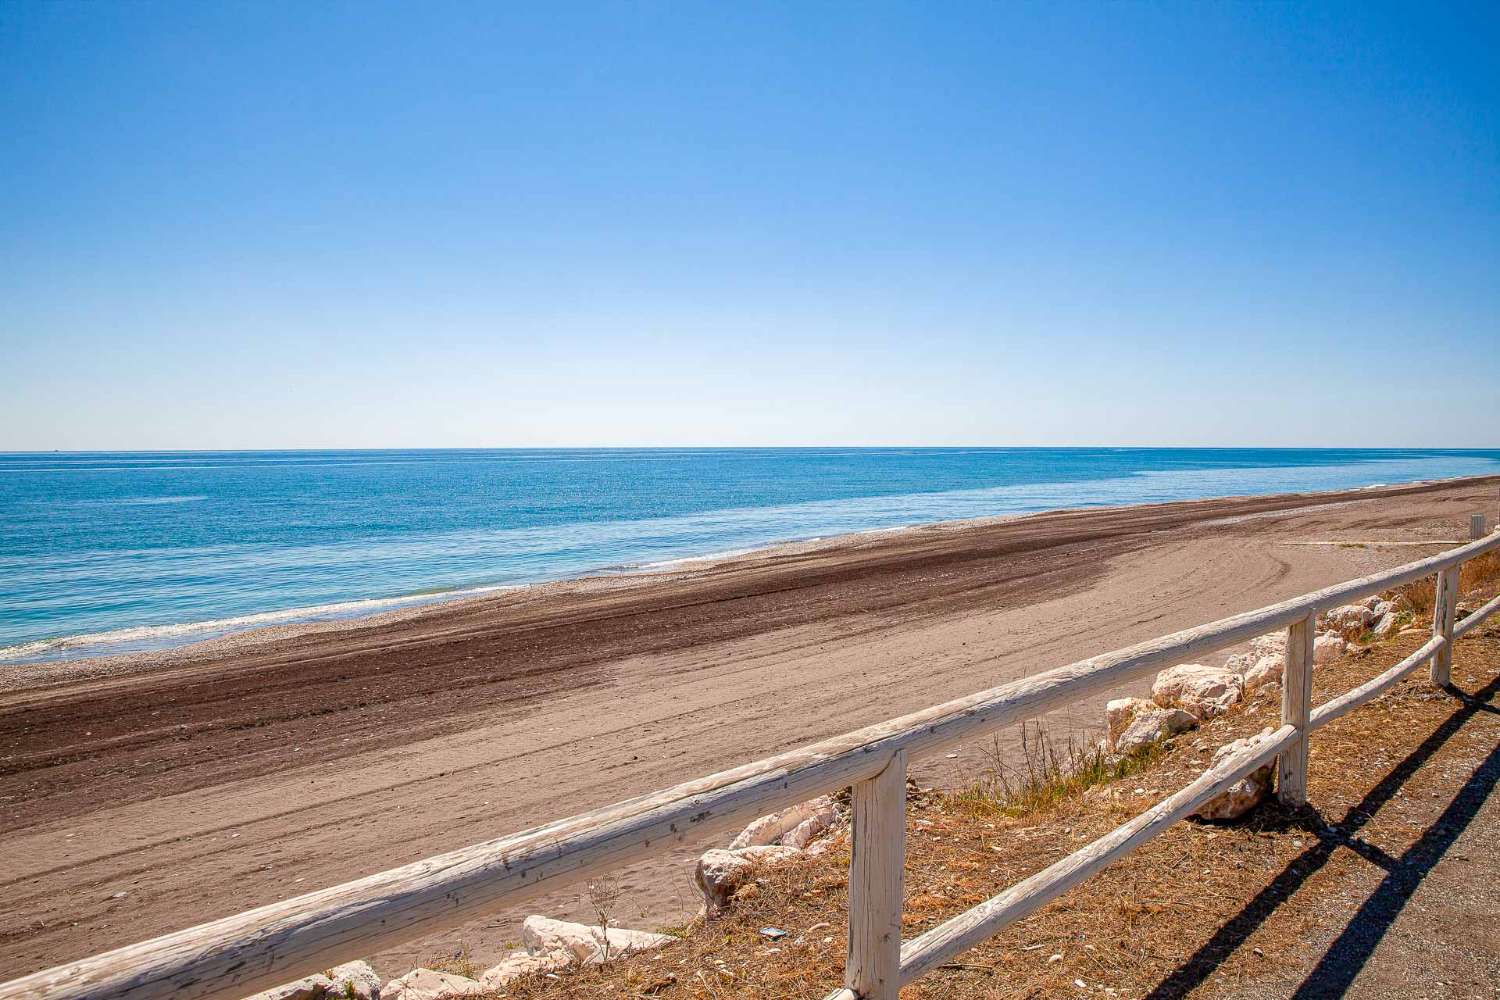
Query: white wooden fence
x=273 y=944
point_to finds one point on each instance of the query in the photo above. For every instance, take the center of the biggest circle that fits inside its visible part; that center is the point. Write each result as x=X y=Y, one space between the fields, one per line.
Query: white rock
x=1348 y=617
x=311 y=988
x=1267 y=670
x=770 y=829
x=544 y=936
x=1202 y=691
x=354 y=979
x=1328 y=647
x=1373 y=602
x=1240 y=662
x=1152 y=724
x=1270 y=644
x=1243 y=795
x=721 y=873
x=427 y=984
x=1119 y=712
x=521 y=963
x=1386 y=625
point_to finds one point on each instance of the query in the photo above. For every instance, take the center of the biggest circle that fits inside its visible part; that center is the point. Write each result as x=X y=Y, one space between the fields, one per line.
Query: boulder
x=354 y=980
x=1267 y=670
x=522 y=963
x=773 y=828
x=1349 y=618
x=1374 y=602
x=428 y=984
x=1386 y=625
x=1328 y=647
x=1270 y=644
x=1118 y=713
x=1240 y=662
x=720 y=873
x=544 y=937
x=1202 y=691
x=1243 y=795
x=1152 y=724
x=311 y=988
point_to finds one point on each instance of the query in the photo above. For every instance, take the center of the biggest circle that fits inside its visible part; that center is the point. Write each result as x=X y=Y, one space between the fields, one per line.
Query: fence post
x=877 y=884
x=1444 y=611
x=1476 y=525
x=1296 y=707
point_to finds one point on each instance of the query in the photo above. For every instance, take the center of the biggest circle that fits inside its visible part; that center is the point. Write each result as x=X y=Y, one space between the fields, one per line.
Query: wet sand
x=212 y=779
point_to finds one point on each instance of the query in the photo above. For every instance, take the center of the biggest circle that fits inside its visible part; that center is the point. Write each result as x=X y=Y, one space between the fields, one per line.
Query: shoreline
x=142 y=800
x=224 y=638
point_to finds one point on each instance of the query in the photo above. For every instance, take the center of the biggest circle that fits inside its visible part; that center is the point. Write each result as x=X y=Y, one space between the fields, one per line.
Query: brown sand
x=208 y=781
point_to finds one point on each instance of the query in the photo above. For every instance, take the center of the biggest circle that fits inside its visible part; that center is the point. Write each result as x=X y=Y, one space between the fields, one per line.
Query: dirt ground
x=205 y=782
x=1382 y=888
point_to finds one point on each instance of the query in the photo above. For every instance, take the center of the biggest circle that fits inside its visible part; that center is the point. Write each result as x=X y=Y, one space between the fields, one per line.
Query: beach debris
x=1152 y=724
x=586 y=943
x=794 y=826
x=428 y=984
x=722 y=873
x=774 y=933
x=1245 y=794
x=1202 y=691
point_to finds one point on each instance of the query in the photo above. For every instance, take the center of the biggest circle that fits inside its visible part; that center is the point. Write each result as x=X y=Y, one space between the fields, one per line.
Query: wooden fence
x=261 y=948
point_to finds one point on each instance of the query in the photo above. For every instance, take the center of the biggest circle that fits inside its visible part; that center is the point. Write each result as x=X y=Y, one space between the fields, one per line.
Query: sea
x=104 y=553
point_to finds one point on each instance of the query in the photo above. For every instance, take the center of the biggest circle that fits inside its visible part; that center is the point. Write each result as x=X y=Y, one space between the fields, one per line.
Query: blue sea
x=115 y=552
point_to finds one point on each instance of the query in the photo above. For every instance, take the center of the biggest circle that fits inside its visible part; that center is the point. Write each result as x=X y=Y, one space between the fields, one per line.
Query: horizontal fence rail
x=261 y=948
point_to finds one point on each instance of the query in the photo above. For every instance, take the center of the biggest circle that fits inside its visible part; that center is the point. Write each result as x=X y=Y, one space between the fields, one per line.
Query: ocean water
x=112 y=552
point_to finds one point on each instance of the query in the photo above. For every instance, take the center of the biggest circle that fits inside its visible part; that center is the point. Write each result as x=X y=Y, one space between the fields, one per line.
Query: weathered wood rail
x=235 y=956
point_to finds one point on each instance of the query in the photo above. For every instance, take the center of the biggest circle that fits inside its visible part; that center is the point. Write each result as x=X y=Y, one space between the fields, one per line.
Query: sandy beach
x=143 y=794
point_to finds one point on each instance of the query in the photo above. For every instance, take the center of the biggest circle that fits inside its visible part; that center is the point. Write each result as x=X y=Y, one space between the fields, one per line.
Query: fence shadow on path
x=1346 y=956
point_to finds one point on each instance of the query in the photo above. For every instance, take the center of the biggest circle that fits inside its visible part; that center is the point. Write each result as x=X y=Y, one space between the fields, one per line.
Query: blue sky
x=445 y=224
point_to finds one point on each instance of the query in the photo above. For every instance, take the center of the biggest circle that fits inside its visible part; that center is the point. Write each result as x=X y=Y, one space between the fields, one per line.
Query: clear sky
x=506 y=224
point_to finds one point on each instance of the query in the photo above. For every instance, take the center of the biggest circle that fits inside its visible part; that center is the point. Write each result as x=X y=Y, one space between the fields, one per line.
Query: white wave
x=155 y=636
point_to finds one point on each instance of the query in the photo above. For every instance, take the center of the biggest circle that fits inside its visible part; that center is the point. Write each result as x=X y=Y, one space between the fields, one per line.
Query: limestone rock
x=1328 y=647
x=773 y=828
x=311 y=988
x=1267 y=670
x=1240 y=662
x=1270 y=644
x=1152 y=724
x=1385 y=625
x=356 y=980
x=427 y=984
x=522 y=963
x=1350 y=618
x=720 y=873
x=1202 y=691
x=1243 y=795
x=1118 y=713
x=544 y=937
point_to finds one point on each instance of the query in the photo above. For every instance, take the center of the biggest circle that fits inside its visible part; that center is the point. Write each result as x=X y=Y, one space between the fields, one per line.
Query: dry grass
x=1048 y=774
x=1153 y=921
x=1478 y=574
